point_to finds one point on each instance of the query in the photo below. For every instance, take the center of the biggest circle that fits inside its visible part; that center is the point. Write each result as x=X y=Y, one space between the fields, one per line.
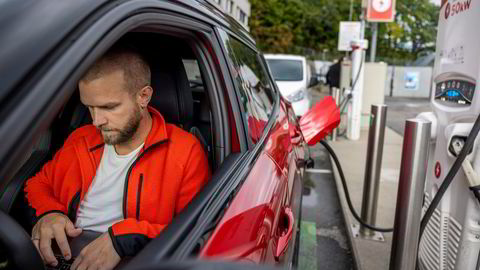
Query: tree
x=310 y=26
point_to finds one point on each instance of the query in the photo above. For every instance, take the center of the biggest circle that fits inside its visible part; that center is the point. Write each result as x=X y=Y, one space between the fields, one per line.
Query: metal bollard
x=336 y=96
x=373 y=166
x=413 y=171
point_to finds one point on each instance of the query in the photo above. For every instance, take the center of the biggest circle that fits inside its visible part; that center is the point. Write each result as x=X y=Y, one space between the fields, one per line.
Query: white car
x=292 y=75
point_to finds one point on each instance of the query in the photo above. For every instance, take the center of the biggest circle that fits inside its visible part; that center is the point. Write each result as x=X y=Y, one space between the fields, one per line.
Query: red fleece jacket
x=168 y=172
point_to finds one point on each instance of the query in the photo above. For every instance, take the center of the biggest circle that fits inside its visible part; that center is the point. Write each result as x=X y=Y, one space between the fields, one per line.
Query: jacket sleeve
x=129 y=236
x=40 y=190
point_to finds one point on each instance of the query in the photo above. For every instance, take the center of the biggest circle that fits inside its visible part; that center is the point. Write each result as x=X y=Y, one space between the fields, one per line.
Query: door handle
x=284 y=239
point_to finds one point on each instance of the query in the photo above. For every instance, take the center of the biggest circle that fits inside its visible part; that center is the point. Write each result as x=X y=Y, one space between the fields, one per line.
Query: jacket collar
x=158 y=132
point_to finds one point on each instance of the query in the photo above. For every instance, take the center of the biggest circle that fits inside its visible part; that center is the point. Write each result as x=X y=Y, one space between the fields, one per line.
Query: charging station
x=451 y=239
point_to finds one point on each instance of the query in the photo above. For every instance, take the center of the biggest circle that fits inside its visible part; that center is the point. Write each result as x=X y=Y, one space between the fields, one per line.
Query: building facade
x=238 y=9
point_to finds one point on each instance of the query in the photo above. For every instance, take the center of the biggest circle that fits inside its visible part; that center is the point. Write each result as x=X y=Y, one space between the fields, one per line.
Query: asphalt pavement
x=324 y=241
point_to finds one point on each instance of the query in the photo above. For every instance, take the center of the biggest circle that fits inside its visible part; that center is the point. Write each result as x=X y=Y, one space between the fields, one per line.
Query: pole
x=336 y=96
x=362 y=28
x=376 y=135
x=350 y=16
x=373 y=50
x=413 y=170
x=358 y=68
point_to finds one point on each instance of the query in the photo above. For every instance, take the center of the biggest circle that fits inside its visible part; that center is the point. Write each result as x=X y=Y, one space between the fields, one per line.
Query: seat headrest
x=172 y=95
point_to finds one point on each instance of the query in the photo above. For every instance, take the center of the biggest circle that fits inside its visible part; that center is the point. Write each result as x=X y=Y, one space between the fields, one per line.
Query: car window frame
x=62 y=88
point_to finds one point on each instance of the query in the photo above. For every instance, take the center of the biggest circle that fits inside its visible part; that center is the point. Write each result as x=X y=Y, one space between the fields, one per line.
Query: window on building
x=242 y=16
x=229 y=6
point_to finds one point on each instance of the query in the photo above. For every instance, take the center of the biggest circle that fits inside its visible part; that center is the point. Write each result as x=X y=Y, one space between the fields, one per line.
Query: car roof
x=30 y=28
x=33 y=28
x=285 y=56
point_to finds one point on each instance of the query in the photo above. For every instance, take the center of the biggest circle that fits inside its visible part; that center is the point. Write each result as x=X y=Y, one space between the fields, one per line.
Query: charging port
x=456 y=145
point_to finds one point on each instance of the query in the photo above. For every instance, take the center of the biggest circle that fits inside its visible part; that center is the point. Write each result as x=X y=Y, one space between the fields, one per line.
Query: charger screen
x=455 y=91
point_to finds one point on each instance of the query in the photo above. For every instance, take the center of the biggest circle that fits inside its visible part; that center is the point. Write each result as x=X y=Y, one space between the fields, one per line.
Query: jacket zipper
x=125 y=188
x=139 y=193
x=75 y=202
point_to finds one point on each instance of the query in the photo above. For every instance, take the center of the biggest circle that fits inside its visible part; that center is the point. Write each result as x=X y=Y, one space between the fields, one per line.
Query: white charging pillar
x=355 y=107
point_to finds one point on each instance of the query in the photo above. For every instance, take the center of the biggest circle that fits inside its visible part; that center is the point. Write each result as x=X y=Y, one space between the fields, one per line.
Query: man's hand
x=53 y=226
x=99 y=254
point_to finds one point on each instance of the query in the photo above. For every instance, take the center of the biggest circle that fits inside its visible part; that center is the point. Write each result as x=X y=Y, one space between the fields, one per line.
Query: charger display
x=459 y=92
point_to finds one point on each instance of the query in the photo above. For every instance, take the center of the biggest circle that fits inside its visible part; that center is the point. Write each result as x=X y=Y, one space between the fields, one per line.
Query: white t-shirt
x=102 y=205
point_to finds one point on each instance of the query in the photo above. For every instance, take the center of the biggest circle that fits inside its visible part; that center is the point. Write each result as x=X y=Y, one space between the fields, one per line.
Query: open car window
x=193 y=73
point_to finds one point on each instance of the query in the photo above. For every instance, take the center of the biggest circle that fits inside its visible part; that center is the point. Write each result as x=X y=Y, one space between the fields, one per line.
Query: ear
x=144 y=96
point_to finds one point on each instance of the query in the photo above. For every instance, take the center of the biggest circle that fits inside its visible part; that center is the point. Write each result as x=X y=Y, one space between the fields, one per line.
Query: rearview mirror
x=320 y=120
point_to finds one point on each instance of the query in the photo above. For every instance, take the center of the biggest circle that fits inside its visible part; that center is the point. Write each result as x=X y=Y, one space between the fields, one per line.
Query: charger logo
x=456 y=8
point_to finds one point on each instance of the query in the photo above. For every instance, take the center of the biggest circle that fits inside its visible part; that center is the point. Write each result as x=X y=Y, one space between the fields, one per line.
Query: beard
x=120 y=136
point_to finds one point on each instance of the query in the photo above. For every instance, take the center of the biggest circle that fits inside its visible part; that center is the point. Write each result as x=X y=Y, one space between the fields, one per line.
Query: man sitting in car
x=127 y=175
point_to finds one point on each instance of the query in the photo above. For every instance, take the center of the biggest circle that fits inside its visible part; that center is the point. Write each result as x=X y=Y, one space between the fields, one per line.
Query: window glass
x=193 y=73
x=286 y=70
x=229 y=7
x=253 y=84
x=241 y=15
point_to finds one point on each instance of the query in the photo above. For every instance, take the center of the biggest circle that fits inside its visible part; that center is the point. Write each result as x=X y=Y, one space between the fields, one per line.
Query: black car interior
x=181 y=101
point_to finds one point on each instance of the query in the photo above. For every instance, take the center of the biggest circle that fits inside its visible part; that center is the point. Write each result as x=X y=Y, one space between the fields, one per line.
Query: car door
x=259 y=223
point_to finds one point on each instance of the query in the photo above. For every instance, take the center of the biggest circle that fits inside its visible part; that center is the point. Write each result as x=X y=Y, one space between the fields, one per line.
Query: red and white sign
x=381 y=10
x=457 y=8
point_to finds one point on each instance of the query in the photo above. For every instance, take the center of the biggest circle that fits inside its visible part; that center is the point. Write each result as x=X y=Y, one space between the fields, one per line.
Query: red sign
x=438 y=170
x=457 y=8
x=381 y=10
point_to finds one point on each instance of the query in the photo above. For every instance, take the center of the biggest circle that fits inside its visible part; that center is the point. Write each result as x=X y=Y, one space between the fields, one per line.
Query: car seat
x=172 y=96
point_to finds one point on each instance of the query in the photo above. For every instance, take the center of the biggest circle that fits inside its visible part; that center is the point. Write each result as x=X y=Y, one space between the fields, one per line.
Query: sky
x=437 y=2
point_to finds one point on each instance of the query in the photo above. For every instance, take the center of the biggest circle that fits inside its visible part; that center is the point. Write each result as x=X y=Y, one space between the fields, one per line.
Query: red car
x=214 y=83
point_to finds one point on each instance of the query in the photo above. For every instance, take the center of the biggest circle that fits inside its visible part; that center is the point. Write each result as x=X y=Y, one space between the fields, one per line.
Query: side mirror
x=320 y=120
x=313 y=81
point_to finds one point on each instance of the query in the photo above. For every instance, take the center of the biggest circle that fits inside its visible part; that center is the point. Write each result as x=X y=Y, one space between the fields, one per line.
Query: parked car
x=293 y=77
x=206 y=72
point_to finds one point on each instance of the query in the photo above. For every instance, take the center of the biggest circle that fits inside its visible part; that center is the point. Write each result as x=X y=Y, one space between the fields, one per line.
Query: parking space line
x=318 y=171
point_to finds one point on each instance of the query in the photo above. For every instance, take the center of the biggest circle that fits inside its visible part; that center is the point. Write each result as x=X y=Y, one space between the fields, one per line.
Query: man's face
x=114 y=110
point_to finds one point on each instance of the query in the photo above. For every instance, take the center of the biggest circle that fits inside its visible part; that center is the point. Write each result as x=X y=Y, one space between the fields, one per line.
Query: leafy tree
x=311 y=26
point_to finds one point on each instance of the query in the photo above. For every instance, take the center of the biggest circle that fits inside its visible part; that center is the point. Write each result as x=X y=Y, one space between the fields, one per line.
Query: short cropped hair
x=136 y=70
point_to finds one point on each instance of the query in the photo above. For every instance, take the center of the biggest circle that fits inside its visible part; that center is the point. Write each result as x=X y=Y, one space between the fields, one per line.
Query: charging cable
x=347 y=193
x=472 y=177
